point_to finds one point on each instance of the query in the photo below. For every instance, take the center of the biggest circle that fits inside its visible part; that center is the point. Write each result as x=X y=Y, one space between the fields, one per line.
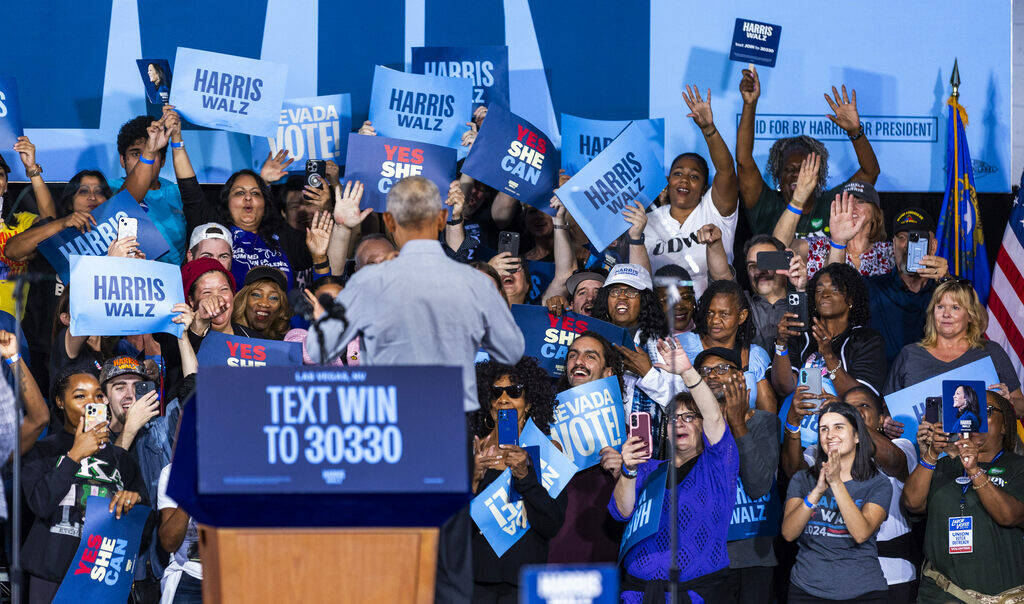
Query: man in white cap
x=210 y=240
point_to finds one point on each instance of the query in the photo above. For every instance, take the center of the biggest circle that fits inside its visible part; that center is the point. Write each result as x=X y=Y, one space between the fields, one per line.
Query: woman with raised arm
x=833 y=511
x=764 y=204
x=694 y=200
x=705 y=459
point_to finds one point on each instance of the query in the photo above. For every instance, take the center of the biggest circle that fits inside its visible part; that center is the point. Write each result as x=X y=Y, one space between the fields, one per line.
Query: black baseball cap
x=913 y=219
x=730 y=355
x=259 y=273
x=863 y=191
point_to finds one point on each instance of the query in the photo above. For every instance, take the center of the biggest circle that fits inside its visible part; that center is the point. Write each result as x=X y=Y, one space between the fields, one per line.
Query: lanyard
x=966 y=481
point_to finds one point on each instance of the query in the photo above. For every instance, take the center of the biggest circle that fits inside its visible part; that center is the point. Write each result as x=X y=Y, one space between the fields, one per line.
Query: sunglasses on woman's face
x=513 y=391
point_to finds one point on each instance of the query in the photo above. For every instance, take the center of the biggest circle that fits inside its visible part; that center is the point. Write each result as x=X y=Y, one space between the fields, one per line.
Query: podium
x=291 y=532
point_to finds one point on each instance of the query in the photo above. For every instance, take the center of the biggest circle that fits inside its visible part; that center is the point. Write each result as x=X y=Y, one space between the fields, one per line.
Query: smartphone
x=508 y=241
x=797 y=304
x=127 y=227
x=640 y=425
x=95 y=414
x=508 y=427
x=316 y=172
x=932 y=409
x=917 y=248
x=811 y=377
x=774 y=261
x=143 y=388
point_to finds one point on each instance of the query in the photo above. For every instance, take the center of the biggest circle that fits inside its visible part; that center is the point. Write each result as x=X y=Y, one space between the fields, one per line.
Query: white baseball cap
x=633 y=275
x=210 y=230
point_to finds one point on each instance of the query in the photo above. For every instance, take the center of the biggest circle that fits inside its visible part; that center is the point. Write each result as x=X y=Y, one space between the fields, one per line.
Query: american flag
x=1006 y=300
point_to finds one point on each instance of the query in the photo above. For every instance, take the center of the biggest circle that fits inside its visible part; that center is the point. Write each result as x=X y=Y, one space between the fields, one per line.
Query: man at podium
x=420 y=308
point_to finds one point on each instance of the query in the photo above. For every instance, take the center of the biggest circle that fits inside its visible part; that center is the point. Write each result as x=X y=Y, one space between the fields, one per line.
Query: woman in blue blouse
x=722 y=319
x=706 y=462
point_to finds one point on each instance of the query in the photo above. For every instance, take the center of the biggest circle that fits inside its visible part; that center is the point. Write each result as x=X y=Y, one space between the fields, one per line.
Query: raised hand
x=320 y=196
x=318 y=234
x=560 y=211
x=141 y=411
x=479 y=114
x=843 y=225
x=845 y=109
x=346 y=207
x=750 y=86
x=700 y=110
x=968 y=454
x=367 y=129
x=456 y=199
x=505 y=263
x=124 y=248
x=676 y=359
x=318 y=309
x=26 y=151
x=935 y=267
x=807 y=179
x=172 y=121
x=636 y=216
x=275 y=167
x=469 y=136
x=634 y=453
x=209 y=307
x=185 y=315
x=797 y=273
x=556 y=305
x=8 y=344
x=737 y=398
x=157 y=137
x=709 y=234
x=87 y=443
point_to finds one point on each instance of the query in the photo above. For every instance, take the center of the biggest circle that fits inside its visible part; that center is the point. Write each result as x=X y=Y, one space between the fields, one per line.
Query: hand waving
x=346 y=208
x=318 y=235
x=842 y=224
x=845 y=108
x=676 y=359
x=807 y=179
x=275 y=167
x=700 y=110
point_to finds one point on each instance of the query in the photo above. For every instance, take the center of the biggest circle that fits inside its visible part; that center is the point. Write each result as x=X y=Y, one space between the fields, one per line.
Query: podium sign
x=381 y=430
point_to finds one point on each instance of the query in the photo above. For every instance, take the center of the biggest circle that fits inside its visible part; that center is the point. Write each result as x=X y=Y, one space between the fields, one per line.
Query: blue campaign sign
x=59 y=247
x=964 y=406
x=583 y=139
x=626 y=170
x=10 y=115
x=907 y=405
x=331 y=430
x=515 y=157
x=548 y=337
x=647 y=510
x=237 y=351
x=103 y=568
x=755 y=42
x=485 y=66
x=498 y=516
x=123 y=296
x=156 y=79
x=555 y=469
x=589 y=418
x=379 y=162
x=759 y=517
x=428 y=109
x=553 y=584
x=308 y=128
x=230 y=93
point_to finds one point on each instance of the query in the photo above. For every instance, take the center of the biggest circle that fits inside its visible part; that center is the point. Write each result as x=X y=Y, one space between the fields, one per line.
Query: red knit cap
x=196 y=268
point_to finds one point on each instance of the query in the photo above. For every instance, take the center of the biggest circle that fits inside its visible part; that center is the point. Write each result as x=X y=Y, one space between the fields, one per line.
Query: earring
x=488 y=422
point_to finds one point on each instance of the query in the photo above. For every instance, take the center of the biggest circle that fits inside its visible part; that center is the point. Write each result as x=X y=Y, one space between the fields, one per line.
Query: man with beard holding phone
x=589 y=534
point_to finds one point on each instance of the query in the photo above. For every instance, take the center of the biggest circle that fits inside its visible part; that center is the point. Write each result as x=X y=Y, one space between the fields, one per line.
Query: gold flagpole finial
x=954 y=80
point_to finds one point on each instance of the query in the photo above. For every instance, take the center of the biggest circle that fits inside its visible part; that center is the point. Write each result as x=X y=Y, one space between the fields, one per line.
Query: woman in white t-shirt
x=182 y=582
x=694 y=200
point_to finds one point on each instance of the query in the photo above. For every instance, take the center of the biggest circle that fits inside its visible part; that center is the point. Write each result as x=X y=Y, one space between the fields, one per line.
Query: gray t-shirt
x=759 y=462
x=915 y=364
x=830 y=564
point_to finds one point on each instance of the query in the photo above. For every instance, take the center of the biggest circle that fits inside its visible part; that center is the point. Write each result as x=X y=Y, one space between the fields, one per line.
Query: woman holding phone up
x=526 y=389
x=706 y=463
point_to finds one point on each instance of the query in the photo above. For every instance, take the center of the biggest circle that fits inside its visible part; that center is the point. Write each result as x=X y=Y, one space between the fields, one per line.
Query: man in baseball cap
x=583 y=286
x=211 y=240
x=899 y=299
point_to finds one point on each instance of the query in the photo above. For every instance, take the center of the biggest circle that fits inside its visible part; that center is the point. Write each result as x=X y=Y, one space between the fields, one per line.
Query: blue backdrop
x=72 y=109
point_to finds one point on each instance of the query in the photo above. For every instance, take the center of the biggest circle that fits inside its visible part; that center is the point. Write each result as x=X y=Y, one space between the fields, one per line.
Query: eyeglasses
x=513 y=391
x=687 y=418
x=623 y=292
x=720 y=369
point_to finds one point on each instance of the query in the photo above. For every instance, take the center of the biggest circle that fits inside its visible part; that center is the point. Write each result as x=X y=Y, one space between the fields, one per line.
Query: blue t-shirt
x=249 y=250
x=758 y=362
x=164 y=208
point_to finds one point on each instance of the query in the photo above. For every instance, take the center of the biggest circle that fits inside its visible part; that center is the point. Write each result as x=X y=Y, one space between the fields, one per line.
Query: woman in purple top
x=706 y=465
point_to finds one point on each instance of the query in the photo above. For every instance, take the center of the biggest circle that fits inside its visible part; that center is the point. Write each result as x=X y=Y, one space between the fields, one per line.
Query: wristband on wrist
x=836 y=245
x=629 y=473
x=455 y=221
x=982 y=485
x=638 y=241
x=856 y=135
x=180 y=145
x=792 y=429
x=794 y=209
x=921 y=462
x=695 y=384
x=714 y=131
x=148 y=162
x=808 y=503
x=561 y=227
x=980 y=472
x=781 y=350
x=324 y=264
x=11 y=360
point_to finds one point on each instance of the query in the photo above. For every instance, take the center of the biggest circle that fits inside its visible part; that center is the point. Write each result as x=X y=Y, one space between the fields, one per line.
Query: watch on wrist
x=35 y=171
x=859 y=133
x=455 y=221
x=638 y=241
x=629 y=473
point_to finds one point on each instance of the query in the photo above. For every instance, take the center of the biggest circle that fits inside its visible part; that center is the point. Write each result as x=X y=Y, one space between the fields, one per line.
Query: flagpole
x=954 y=81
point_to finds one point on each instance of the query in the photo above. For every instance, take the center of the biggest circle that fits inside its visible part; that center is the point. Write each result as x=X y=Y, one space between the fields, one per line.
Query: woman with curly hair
x=954 y=335
x=722 y=320
x=763 y=203
x=261 y=304
x=838 y=342
x=524 y=387
x=260 y=235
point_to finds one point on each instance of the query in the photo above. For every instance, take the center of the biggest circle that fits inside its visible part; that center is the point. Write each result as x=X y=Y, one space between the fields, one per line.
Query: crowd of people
x=863 y=515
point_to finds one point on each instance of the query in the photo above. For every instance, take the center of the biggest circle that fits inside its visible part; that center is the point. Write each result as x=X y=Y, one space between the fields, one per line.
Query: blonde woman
x=954 y=331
